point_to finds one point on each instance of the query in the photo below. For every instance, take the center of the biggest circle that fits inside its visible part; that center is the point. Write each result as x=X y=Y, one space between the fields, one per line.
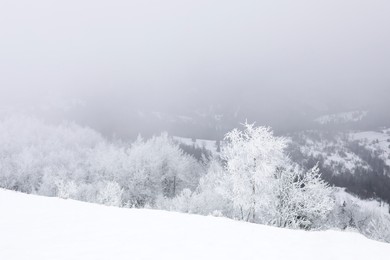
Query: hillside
x=34 y=227
x=356 y=160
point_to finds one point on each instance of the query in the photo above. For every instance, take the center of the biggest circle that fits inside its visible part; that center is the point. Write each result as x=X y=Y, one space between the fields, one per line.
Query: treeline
x=75 y=162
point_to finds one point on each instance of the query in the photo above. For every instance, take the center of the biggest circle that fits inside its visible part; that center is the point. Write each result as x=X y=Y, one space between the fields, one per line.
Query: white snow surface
x=375 y=141
x=34 y=227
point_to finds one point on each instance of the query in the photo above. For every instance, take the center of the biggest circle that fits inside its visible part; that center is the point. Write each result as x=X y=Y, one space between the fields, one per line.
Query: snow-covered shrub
x=181 y=203
x=207 y=199
x=300 y=199
x=378 y=227
x=369 y=217
x=66 y=189
x=110 y=194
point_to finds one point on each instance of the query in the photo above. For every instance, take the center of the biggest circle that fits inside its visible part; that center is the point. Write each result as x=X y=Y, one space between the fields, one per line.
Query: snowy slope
x=35 y=227
x=335 y=153
x=375 y=141
x=333 y=149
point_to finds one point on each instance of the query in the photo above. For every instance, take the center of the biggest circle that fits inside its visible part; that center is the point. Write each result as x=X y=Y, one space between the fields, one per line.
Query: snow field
x=34 y=227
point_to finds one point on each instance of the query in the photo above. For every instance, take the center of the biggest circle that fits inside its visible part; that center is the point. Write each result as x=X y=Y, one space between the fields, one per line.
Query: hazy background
x=194 y=68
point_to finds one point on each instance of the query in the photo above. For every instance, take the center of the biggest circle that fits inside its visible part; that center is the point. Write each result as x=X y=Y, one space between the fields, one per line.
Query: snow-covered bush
x=207 y=199
x=181 y=203
x=300 y=199
x=66 y=189
x=110 y=194
x=378 y=227
x=366 y=216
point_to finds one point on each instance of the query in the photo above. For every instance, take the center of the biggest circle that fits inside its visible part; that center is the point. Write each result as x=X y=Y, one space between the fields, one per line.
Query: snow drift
x=34 y=227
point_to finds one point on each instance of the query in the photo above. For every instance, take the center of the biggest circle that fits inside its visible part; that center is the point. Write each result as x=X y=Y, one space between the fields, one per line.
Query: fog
x=114 y=64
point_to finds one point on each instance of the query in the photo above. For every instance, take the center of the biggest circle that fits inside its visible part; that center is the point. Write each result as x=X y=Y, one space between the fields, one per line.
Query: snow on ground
x=33 y=227
x=349 y=161
x=368 y=205
x=375 y=141
x=335 y=153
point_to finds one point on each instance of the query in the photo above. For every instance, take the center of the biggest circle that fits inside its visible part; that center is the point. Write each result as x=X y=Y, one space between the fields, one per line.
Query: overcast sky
x=178 y=54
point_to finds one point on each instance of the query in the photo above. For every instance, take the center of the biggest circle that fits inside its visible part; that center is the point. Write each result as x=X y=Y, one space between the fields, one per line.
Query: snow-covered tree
x=110 y=194
x=34 y=154
x=251 y=157
x=300 y=198
x=159 y=167
x=66 y=189
x=265 y=186
x=207 y=199
x=378 y=227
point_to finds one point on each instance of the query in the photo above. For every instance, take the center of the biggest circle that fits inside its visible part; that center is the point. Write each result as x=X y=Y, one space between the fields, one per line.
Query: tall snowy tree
x=265 y=186
x=252 y=157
